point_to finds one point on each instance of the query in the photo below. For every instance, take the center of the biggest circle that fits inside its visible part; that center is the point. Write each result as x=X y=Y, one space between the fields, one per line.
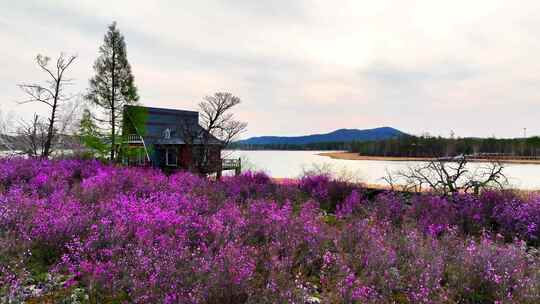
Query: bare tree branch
x=218 y=124
x=51 y=94
x=450 y=175
x=32 y=136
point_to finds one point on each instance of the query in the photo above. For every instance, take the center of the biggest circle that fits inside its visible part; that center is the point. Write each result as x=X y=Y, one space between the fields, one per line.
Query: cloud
x=394 y=75
x=304 y=66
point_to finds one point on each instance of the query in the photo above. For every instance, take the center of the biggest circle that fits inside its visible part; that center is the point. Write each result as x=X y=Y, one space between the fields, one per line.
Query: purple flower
x=138 y=235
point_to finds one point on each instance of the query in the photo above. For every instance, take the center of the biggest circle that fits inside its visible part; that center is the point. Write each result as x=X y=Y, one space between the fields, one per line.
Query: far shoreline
x=356 y=156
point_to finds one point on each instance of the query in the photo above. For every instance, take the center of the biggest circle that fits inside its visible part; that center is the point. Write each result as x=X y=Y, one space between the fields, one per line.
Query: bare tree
x=51 y=93
x=32 y=137
x=217 y=119
x=6 y=141
x=217 y=122
x=449 y=175
x=67 y=126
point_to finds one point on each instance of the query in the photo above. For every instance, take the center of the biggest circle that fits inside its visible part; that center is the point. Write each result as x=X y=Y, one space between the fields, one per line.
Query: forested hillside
x=427 y=146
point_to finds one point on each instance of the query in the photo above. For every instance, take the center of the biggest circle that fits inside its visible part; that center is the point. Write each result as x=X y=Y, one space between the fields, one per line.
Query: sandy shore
x=356 y=156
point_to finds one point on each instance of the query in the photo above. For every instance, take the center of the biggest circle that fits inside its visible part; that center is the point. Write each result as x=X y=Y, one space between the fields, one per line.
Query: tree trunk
x=113 y=110
x=50 y=131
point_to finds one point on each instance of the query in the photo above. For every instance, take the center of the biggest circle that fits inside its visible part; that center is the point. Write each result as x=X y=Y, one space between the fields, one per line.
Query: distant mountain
x=341 y=135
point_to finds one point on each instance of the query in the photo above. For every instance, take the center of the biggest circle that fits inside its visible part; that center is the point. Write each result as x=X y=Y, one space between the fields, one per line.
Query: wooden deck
x=231 y=164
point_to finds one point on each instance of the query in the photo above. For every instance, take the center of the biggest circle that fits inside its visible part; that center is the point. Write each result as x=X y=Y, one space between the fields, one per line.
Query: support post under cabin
x=219 y=171
x=238 y=168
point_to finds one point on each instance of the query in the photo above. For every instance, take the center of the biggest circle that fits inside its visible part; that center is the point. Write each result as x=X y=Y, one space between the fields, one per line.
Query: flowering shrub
x=88 y=232
x=329 y=193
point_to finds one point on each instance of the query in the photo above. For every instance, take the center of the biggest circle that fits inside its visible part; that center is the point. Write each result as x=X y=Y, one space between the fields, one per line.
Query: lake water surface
x=291 y=164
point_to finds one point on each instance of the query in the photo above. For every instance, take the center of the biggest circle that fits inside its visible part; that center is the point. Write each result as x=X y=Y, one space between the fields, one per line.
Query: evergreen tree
x=90 y=135
x=113 y=85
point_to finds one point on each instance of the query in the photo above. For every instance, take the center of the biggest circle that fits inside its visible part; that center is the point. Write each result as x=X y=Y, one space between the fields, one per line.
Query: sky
x=301 y=67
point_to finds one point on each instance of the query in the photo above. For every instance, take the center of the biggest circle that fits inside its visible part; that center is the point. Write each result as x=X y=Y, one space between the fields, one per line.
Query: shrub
x=85 y=230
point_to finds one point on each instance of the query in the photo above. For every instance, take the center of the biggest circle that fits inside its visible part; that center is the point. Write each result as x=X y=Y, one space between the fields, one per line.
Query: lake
x=291 y=164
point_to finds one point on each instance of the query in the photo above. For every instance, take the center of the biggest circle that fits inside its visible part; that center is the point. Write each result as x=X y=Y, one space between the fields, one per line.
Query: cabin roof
x=164 y=111
x=180 y=123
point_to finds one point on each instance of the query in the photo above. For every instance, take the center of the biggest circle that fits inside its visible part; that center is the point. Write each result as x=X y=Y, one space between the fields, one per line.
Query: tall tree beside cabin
x=113 y=86
x=218 y=122
x=51 y=93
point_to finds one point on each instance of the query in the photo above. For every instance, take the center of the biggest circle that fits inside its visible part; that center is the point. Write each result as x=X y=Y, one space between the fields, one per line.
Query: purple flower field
x=83 y=232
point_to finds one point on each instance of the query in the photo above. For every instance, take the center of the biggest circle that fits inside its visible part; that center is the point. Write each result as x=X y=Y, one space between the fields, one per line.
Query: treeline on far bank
x=324 y=146
x=429 y=146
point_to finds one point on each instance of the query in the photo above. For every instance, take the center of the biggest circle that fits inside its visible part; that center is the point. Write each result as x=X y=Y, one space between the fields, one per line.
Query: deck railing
x=232 y=164
x=137 y=139
x=133 y=138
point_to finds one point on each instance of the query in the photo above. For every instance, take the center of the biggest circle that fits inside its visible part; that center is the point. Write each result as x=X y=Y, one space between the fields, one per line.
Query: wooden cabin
x=172 y=140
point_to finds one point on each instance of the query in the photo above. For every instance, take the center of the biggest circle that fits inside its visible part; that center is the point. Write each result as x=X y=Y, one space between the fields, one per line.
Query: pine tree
x=113 y=85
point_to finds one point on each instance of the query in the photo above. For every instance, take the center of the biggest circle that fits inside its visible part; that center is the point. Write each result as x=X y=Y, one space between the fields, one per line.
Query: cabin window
x=171 y=157
x=167 y=133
